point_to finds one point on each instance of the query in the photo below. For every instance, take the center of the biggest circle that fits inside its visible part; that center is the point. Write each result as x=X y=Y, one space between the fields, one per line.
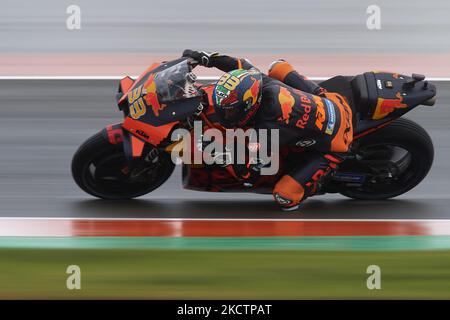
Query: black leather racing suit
x=303 y=112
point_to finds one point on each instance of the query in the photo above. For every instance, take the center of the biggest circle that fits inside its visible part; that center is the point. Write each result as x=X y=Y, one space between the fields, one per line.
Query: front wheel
x=394 y=160
x=101 y=170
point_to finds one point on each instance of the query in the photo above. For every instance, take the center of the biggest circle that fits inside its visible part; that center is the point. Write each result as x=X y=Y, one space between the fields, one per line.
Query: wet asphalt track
x=43 y=122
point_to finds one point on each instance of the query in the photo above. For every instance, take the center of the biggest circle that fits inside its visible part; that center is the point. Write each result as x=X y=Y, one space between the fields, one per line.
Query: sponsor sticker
x=331 y=117
x=379 y=85
x=348 y=177
x=305 y=143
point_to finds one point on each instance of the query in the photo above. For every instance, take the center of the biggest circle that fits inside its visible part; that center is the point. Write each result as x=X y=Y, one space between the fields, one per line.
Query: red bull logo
x=305 y=102
x=151 y=96
x=387 y=106
x=253 y=92
x=286 y=102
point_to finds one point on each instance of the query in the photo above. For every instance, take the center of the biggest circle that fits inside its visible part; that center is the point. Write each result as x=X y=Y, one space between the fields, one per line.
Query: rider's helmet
x=237 y=97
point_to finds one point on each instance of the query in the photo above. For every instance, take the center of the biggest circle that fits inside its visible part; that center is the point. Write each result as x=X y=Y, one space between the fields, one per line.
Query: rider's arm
x=227 y=63
x=247 y=161
x=284 y=72
x=216 y=60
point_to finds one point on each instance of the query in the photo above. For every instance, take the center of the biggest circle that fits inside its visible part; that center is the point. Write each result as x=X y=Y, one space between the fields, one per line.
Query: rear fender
x=365 y=127
x=412 y=95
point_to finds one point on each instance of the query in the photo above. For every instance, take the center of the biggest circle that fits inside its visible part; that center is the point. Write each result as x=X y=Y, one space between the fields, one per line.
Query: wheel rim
x=106 y=175
x=399 y=161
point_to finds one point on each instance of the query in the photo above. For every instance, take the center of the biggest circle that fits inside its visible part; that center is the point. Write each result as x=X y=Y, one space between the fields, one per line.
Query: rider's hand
x=201 y=57
x=247 y=175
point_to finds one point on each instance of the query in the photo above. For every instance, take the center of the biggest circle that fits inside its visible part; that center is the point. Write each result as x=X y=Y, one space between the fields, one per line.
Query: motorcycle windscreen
x=173 y=84
x=165 y=96
x=161 y=100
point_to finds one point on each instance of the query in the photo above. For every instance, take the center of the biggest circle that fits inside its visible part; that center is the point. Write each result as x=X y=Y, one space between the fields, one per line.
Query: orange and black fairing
x=125 y=85
x=218 y=179
x=149 y=120
x=386 y=95
x=148 y=117
x=113 y=133
x=377 y=98
x=385 y=106
x=117 y=136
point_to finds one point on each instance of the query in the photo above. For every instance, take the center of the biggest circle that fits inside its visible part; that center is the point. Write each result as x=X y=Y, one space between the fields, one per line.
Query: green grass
x=212 y=274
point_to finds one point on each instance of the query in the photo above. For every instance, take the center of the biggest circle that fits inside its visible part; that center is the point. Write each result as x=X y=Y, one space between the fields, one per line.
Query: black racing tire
x=409 y=136
x=99 y=153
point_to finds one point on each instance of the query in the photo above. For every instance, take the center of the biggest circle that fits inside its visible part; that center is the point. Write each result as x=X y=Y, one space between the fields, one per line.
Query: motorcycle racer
x=302 y=111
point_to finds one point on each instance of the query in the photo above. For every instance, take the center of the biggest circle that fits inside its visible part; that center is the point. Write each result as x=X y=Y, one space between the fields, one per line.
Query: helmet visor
x=229 y=117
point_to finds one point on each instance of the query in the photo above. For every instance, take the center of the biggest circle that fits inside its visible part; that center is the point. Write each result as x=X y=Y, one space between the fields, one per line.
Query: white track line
x=443 y=79
x=222 y=219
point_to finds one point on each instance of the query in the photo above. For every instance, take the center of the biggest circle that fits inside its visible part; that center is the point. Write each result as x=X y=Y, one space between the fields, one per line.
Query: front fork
x=133 y=147
x=140 y=155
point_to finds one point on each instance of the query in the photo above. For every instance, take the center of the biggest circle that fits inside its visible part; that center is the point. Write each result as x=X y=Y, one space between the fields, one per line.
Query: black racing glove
x=201 y=57
x=248 y=174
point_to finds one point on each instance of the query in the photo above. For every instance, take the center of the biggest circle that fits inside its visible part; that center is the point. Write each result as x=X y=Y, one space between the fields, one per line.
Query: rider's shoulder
x=270 y=83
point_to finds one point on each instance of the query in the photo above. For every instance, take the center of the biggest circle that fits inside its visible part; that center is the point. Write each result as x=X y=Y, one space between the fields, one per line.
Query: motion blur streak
x=241 y=26
x=218 y=228
x=320 y=37
x=318 y=65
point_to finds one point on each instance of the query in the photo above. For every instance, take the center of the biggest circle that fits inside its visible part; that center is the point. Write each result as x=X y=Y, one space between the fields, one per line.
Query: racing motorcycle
x=390 y=155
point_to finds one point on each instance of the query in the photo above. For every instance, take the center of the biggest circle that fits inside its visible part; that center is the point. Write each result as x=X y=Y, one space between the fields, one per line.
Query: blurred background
x=322 y=37
x=43 y=120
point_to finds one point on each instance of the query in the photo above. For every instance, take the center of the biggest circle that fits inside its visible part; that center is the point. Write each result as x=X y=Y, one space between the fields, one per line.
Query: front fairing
x=161 y=97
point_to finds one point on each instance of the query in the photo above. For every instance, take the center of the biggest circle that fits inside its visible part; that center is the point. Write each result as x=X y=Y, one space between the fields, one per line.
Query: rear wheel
x=394 y=160
x=100 y=169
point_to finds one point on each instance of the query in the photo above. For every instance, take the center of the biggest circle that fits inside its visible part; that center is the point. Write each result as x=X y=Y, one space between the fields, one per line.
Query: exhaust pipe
x=430 y=102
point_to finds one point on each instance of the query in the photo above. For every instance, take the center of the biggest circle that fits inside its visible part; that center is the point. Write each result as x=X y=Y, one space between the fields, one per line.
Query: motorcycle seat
x=343 y=86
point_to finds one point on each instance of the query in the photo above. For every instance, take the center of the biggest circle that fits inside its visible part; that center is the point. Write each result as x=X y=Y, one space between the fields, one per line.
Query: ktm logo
x=320 y=113
x=142 y=134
